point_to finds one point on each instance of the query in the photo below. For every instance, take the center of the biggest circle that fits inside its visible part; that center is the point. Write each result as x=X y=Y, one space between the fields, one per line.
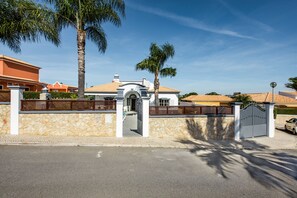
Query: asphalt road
x=31 y=171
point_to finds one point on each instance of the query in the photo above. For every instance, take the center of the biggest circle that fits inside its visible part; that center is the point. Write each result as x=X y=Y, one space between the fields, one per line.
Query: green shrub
x=31 y=95
x=287 y=110
x=63 y=95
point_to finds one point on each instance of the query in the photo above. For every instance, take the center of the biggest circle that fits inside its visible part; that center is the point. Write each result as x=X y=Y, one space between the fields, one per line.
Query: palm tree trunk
x=81 y=42
x=156 y=88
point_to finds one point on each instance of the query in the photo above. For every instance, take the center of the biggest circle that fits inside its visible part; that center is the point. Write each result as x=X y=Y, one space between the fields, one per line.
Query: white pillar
x=269 y=107
x=236 y=109
x=119 y=126
x=16 y=95
x=145 y=116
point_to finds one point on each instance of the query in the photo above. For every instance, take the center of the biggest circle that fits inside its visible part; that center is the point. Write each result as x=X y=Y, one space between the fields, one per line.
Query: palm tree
x=244 y=98
x=86 y=17
x=292 y=84
x=155 y=64
x=25 y=20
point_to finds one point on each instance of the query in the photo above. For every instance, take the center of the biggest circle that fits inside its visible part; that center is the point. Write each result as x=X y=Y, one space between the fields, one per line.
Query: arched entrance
x=132 y=110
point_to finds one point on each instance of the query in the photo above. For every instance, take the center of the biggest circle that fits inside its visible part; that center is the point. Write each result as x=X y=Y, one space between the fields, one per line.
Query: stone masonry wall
x=4 y=119
x=281 y=119
x=197 y=127
x=70 y=124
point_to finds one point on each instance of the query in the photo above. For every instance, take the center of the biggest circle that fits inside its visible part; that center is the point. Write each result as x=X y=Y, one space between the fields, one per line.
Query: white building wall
x=173 y=98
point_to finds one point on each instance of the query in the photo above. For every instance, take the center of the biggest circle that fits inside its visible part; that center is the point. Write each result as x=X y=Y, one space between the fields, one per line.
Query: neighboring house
x=60 y=87
x=167 y=96
x=279 y=100
x=17 y=72
x=291 y=94
x=209 y=100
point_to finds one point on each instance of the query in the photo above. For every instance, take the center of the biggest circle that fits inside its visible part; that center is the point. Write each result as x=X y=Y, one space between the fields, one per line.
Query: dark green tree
x=87 y=17
x=244 y=98
x=212 y=93
x=25 y=20
x=155 y=65
x=292 y=83
x=187 y=94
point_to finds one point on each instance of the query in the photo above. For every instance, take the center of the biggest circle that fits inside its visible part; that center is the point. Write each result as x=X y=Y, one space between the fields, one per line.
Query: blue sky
x=221 y=45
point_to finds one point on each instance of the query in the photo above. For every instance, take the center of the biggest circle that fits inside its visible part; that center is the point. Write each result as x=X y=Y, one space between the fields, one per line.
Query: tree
x=292 y=84
x=212 y=93
x=187 y=94
x=244 y=98
x=86 y=17
x=155 y=64
x=25 y=20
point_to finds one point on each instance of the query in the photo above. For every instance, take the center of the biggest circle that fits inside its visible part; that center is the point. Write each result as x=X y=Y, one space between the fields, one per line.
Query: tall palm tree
x=25 y=20
x=155 y=64
x=87 y=16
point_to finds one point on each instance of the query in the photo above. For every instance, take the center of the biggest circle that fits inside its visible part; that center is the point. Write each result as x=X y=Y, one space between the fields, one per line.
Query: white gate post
x=145 y=116
x=119 y=112
x=236 y=109
x=269 y=107
x=119 y=126
x=16 y=95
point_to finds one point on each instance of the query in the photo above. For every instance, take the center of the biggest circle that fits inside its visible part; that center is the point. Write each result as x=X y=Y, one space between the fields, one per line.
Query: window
x=164 y=102
x=9 y=84
x=1 y=86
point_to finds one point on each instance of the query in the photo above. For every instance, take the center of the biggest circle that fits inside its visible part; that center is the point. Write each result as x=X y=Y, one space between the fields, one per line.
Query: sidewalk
x=282 y=140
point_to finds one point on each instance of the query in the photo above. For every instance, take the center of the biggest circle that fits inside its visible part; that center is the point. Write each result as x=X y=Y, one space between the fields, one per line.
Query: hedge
x=287 y=110
x=31 y=95
x=63 y=95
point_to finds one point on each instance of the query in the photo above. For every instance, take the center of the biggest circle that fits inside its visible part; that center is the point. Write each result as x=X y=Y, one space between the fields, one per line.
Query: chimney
x=116 y=78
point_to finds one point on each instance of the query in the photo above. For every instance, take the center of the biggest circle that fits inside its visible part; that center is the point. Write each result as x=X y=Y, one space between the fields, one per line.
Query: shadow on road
x=277 y=170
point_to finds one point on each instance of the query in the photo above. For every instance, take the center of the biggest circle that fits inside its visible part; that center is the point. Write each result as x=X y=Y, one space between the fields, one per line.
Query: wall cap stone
x=4 y=103
x=188 y=116
x=67 y=112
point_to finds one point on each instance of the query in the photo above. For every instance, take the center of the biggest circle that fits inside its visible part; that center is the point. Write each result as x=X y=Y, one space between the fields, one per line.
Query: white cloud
x=190 y=22
x=246 y=18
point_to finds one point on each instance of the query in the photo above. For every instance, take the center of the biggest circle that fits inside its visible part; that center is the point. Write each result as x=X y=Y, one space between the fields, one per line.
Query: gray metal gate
x=253 y=121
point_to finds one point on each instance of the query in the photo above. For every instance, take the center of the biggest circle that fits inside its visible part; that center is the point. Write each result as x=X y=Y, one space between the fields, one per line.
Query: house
x=17 y=72
x=279 y=100
x=60 y=87
x=209 y=100
x=167 y=96
x=291 y=94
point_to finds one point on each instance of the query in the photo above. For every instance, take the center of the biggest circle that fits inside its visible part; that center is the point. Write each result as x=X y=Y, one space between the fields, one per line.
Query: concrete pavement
x=282 y=140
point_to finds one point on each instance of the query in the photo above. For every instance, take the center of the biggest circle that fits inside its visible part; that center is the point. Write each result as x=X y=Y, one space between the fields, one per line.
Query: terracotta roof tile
x=165 y=89
x=112 y=88
x=208 y=98
x=267 y=97
x=109 y=88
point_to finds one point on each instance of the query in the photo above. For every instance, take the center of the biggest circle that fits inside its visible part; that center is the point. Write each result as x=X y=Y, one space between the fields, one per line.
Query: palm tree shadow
x=213 y=144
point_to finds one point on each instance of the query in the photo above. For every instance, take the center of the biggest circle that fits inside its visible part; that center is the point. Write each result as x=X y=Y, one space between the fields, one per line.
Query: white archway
x=124 y=104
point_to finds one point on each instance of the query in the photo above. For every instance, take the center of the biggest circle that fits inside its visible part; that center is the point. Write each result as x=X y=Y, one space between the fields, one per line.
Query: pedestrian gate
x=253 y=121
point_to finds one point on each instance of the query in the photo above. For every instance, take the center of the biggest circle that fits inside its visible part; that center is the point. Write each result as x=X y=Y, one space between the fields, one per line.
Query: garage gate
x=253 y=121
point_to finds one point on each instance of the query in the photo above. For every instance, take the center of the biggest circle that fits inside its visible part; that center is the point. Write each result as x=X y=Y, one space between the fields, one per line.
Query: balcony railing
x=190 y=110
x=67 y=105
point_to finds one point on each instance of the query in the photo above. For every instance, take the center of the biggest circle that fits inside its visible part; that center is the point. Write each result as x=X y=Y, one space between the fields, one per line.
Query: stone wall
x=201 y=127
x=4 y=119
x=68 y=124
x=281 y=119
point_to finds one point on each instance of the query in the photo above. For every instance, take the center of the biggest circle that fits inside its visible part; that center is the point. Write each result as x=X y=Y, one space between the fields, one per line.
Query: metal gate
x=253 y=121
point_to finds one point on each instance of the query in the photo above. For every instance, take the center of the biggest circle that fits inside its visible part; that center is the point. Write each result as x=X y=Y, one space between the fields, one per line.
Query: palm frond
x=97 y=35
x=168 y=71
x=24 y=20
